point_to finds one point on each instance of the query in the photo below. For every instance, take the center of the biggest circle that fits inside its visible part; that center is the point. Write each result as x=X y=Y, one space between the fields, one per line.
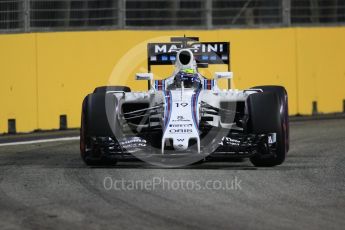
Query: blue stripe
x=168 y=109
x=194 y=111
x=170 y=97
x=196 y=107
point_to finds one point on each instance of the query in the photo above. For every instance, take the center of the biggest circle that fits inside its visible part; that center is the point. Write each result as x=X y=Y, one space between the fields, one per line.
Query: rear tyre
x=94 y=123
x=265 y=118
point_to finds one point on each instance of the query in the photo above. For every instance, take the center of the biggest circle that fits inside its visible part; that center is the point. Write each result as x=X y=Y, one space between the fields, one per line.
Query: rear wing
x=204 y=52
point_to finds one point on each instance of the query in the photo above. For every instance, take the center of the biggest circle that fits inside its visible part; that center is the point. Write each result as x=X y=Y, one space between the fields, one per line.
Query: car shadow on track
x=224 y=164
x=48 y=158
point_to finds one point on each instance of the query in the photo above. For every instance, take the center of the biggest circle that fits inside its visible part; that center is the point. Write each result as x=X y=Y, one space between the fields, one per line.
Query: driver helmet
x=189 y=77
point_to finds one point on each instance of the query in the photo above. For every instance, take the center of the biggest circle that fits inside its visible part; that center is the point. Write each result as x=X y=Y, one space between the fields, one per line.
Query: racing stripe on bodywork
x=194 y=108
x=168 y=98
x=208 y=84
x=160 y=84
x=211 y=84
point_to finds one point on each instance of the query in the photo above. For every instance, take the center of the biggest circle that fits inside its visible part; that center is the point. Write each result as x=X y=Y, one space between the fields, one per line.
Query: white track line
x=40 y=141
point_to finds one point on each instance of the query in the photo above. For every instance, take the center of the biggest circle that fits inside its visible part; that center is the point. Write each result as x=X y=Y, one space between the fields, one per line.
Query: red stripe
x=159 y=85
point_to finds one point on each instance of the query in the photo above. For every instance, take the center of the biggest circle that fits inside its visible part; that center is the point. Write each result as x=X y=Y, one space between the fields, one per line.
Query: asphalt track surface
x=46 y=186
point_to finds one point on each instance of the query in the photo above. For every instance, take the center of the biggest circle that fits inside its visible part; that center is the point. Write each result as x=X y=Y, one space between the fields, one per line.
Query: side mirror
x=223 y=75
x=144 y=76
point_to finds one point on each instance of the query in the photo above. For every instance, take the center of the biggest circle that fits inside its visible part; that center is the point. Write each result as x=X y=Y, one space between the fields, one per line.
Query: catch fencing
x=62 y=15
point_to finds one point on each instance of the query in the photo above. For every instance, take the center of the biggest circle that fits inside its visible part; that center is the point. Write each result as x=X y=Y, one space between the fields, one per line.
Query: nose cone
x=180 y=143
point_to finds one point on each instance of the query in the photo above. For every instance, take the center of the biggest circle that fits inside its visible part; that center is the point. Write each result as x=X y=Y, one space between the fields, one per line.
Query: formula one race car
x=185 y=118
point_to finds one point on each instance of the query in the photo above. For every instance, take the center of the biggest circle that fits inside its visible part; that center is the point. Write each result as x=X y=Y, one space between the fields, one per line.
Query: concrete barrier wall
x=45 y=75
x=18 y=81
x=320 y=63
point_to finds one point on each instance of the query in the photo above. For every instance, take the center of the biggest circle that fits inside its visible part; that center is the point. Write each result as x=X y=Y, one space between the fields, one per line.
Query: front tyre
x=93 y=107
x=265 y=118
x=283 y=97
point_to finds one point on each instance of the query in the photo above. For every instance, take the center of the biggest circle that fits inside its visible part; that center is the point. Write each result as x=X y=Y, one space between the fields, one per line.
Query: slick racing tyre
x=95 y=125
x=283 y=97
x=265 y=118
x=104 y=89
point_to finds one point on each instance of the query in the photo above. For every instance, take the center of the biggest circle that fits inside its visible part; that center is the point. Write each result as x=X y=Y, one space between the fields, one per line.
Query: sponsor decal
x=133 y=143
x=206 y=52
x=272 y=138
x=197 y=48
x=180 y=118
x=230 y=141
x=177 y=131
x=181 y=125
x=134 y=140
